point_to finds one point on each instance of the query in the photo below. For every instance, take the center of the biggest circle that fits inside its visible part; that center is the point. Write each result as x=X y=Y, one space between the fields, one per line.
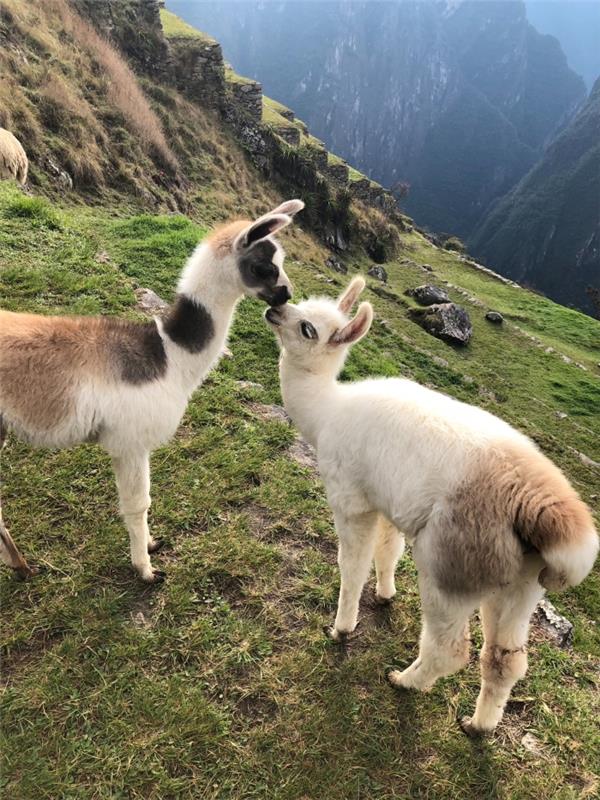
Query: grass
x=231 y=76
x=176 y=28
x=220 y=683
x=332 y=159
x=275 y=105
x=273 y=118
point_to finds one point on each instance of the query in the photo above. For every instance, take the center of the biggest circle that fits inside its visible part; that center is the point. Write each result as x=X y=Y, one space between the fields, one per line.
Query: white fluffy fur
x=391 y=454
x=13 y=158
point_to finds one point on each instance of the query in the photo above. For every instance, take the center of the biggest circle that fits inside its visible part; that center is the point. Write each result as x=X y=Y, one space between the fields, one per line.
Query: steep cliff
x=546 y=233
x=458 y=99
x=158 y=115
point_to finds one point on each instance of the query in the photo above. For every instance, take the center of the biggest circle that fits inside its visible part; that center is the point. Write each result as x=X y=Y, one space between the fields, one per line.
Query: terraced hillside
x=220 y=683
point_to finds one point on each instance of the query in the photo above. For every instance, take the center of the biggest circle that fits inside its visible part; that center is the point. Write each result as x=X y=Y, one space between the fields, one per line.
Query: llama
x=126 y=385
x=13 y=158
x=492 y=522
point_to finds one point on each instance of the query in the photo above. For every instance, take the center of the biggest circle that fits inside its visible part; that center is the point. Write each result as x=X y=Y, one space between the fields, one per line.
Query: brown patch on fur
x=44 y=359
x=515 y=501
x=222 y=238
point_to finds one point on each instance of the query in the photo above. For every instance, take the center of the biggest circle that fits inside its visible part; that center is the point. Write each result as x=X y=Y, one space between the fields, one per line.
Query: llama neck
x=199 y=320
x=309 y=398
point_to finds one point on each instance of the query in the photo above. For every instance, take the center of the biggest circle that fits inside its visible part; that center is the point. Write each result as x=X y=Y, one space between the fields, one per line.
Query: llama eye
x=263 y=270
x=308 y=330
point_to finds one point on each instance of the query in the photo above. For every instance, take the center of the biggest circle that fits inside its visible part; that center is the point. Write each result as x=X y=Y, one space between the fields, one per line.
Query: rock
x=559 y=627
x=149 y=301
x=427 y=267
x=336 y=265
x=249 y=385
x=428 y=295
x=303 y=453
x=378 y=272
x=447 y=321
x=532 y=744
x=561 y=414
x=61 y=175
x=495 y=317
x=589 y=462
x=271 y=412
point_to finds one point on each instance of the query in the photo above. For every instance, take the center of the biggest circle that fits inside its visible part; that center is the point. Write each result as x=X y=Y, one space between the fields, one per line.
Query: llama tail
x=550 y=515
x=568 y=564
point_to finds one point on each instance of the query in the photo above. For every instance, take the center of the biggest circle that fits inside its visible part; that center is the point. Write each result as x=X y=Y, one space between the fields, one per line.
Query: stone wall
x=134 y=27
x=247 y=96
x=198 y=70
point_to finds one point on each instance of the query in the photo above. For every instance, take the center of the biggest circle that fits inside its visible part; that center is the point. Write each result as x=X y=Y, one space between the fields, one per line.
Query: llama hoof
x=405 y=679
x=466 y=724
x=26 y=573
x=154 y=576
x=393 y=678
x=157 y=544
x=384 y=601
x=331 y=633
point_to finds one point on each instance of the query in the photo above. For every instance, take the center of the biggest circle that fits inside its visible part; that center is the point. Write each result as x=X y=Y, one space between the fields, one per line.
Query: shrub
x=454 y=243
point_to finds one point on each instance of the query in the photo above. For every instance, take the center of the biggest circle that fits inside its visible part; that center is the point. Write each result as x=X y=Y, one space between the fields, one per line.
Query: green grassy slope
x=220 y=683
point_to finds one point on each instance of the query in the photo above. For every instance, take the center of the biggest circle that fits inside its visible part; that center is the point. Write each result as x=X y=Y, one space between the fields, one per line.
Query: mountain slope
x=457 y=99
x=219 y=684
x=546 y=233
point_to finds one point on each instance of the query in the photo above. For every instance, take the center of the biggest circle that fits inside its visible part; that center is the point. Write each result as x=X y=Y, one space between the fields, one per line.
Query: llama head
x=315 y=335
x=247 y=257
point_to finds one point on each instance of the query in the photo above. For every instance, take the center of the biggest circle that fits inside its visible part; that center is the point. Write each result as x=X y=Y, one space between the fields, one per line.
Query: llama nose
x=281 y=295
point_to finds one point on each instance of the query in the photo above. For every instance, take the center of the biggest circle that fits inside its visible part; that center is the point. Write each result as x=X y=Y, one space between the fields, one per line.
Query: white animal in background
x=126 y=385
x=492 y=522
x=13 y=158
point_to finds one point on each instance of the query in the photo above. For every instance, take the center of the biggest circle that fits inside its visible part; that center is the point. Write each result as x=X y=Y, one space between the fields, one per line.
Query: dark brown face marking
x=189 y=325
x=259 y=272
x=137 y=350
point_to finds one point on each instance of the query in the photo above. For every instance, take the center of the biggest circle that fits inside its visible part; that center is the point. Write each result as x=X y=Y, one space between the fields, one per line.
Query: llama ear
x=263 y=227
x=290 y=207
x=351 y=294
x=356 y=328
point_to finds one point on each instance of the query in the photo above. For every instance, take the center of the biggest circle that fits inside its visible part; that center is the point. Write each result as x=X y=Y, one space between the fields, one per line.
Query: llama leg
x=9 y=552
x=389 y=548
x=445 y=639
x=505 y=618
x=357 y=542
x=133 y=482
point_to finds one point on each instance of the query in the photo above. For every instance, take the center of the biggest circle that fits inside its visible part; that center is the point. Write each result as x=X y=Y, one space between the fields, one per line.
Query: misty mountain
x=546 y=232
x=456 y=98
x=576 y=25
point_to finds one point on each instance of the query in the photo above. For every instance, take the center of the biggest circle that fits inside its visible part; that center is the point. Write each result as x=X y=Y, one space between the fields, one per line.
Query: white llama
x=492 y=522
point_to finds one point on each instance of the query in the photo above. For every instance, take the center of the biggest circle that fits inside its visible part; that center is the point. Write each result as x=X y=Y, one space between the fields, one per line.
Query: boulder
x=378 y=272
x=446 y=321
x=336 y=265
x=428 y=295
x=495 y=317
x=558 y=627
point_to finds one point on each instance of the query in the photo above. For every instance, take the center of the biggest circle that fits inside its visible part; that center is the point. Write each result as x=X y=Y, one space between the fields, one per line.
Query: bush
x=454 y=243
